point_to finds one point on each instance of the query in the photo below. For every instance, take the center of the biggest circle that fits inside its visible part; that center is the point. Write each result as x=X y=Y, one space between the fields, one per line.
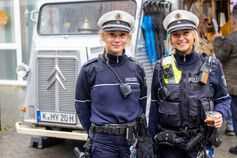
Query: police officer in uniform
x=185 y=86
x=111 y=90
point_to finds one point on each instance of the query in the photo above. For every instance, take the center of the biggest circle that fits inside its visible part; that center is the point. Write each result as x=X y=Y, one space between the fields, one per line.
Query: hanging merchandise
x=152 y=26
x=152 y=38
x=147 y=37
x=3 y=18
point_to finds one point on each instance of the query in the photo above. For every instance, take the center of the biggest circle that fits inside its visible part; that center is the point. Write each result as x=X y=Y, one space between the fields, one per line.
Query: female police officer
x=111 y=90
x=185 y=85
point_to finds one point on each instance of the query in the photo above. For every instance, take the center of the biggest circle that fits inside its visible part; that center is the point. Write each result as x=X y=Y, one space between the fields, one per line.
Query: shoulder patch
x=223 y=80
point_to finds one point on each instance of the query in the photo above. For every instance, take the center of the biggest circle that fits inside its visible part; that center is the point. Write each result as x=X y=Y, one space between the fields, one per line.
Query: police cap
x=116 y=20
x=180 y=20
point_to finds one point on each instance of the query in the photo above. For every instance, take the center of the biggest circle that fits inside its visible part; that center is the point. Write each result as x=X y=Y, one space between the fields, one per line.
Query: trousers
x=109 y=146
x=174 y=152
x=234 y=112
x=229 y=121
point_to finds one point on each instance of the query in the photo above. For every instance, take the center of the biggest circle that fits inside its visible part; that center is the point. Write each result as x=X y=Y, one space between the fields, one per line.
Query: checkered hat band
x=116 y=27
x=177 y=25
x=181 y=27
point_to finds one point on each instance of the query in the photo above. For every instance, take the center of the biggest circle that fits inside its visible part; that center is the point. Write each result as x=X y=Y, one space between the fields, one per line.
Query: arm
x=143 y=87
x=153 y=114
x=221 y=97
x=223 y=48
x=82 y=100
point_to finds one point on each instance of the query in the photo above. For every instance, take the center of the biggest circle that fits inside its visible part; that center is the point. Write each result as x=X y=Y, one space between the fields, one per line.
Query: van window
x=77 y=17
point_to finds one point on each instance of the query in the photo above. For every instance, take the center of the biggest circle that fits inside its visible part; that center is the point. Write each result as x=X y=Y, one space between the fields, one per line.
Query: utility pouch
x=142 y=125
x=168 y=71
x=144 y=148
x=194 y=141
x=144 y=144
x=163 y=93
x=167 y=66
x=168 y=138
x=213 y=138
x=129 y=135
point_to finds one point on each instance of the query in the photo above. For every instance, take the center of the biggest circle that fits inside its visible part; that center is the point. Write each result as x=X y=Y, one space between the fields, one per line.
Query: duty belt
x=114 y=129
x=185 y=131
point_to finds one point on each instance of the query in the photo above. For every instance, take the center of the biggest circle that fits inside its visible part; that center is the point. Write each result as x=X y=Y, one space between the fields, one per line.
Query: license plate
x=56 y=117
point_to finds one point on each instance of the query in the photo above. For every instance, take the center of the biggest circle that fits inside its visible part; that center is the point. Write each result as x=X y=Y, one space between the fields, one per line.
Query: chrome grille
x=66 y=97
x=53 y=96
x=46 y=101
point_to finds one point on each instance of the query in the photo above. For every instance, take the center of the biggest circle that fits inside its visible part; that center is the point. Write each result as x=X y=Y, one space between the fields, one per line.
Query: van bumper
x=42 y=131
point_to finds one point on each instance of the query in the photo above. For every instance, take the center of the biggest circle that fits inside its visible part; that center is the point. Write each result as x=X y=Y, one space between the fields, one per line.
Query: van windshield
x=77 y=17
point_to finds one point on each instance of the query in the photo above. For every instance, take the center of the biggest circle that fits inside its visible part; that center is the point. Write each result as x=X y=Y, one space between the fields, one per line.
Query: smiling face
x=115 y=41
x=183 y=40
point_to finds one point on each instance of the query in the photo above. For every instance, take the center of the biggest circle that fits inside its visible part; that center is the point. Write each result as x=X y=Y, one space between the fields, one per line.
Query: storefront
x=16 y=30
x=14 y=39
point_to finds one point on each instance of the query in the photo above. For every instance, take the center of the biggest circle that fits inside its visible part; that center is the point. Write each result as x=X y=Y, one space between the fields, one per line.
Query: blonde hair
x=196 y=43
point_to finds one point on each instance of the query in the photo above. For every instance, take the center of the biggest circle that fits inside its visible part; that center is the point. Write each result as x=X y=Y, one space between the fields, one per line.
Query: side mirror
x=30 y=15
x=33 y=15
x=22 y=70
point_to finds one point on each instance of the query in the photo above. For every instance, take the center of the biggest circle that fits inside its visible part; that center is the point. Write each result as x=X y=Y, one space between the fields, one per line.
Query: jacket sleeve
x=143 y=87
x=82 y=99
x=223 y=48
x=153 y=113
x=222 y=99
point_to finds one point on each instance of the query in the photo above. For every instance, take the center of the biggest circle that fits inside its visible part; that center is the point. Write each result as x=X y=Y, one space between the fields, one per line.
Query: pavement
x=14 y=145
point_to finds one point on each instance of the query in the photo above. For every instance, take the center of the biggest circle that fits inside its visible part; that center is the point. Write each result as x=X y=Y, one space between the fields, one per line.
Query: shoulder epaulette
x=132 y=59
x=205 y=57
x=136 y=63
x=91 y=61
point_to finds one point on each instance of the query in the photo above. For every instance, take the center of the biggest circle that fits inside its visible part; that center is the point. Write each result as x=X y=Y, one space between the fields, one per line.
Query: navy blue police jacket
x=98 y=98
x=187 y=63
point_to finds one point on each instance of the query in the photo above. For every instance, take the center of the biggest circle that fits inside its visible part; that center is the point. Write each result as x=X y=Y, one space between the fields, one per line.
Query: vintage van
x=66 y=36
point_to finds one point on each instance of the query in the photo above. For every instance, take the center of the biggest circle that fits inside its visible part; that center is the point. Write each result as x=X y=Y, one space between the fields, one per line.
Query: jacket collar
x=186 y=62
x=112 y=59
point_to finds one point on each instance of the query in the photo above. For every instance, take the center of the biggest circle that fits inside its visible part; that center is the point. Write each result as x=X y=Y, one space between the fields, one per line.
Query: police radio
x=205 y=69
x=125 y=89
x=167 y=67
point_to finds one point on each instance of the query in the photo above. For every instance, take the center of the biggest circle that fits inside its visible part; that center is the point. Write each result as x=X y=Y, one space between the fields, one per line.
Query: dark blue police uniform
x=99 y=102
x=181 y=113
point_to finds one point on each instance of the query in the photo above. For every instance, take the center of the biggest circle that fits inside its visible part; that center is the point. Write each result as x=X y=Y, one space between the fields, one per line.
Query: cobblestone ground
x=13 y=145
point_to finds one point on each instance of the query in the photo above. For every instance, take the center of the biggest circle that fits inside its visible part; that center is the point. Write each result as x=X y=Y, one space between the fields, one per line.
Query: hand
x=215 y=120
x=218 y=120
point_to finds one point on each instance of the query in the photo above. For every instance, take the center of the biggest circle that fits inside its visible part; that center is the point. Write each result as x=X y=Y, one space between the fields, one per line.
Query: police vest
x=183 y=100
